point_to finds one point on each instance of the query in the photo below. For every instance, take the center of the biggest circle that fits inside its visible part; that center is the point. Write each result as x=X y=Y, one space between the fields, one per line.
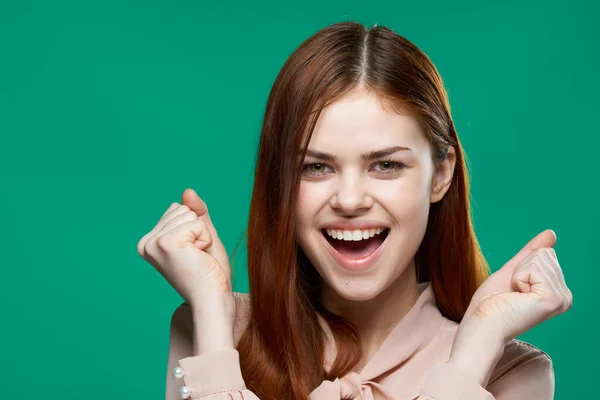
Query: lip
x=353 y=225
x=355 y=264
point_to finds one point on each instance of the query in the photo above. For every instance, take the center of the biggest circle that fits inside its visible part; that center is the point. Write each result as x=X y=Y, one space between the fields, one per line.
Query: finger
x=184 y=215
x=197 y=233
x=536 y=277
x=546 y=238
x=561 y=276
x=191 y=199
x=550 y=256
x=526 y=276
x=173 y=208
x=196 y=204
x=556 y=295
x=546 y=264
x=176 y=217
x=166 y=218
x=552 y=253
x=192 y=231
x=537 y=260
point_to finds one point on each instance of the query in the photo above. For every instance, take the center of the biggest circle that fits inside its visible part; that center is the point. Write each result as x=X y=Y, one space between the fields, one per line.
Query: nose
x=351 y=195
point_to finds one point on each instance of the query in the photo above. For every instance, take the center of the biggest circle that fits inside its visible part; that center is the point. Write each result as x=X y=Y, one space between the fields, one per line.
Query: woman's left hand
x=526 y=291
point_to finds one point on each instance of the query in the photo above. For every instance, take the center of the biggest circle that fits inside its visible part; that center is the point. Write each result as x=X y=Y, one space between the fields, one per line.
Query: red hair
x=282 y=348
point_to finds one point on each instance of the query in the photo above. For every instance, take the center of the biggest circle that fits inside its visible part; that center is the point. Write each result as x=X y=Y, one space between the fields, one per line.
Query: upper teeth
x=356 y=234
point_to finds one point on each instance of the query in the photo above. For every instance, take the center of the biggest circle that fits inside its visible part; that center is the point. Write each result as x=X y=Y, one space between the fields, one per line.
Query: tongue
x=360 y=248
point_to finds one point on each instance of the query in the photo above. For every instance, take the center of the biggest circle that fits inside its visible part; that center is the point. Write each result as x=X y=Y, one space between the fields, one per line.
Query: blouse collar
x=411 y=334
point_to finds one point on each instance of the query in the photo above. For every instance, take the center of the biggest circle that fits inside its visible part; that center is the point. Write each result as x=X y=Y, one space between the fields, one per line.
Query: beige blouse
x=410 y=364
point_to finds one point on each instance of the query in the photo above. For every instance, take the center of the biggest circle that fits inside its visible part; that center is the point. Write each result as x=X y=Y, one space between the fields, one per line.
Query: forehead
x=359 y=123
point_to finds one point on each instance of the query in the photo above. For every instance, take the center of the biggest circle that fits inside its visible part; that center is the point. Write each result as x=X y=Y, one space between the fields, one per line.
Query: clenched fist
x=526 y=291
x=185 y=249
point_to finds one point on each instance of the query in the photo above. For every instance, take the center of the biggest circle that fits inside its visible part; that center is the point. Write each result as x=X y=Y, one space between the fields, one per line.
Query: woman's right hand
x=185 y=249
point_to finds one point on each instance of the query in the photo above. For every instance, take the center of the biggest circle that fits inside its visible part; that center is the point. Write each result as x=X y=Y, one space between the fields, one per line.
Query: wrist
x=213 y=320
x=212 y=303
x=476 y=350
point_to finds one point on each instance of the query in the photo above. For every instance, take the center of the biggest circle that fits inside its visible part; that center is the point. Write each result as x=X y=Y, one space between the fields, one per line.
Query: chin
x=355 y=289
x=364 y=295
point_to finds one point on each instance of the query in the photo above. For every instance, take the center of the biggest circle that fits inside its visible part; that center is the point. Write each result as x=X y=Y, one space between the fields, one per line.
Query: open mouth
x=356 y=244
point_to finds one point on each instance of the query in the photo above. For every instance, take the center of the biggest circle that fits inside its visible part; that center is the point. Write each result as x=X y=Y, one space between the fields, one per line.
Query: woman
x=366 y=278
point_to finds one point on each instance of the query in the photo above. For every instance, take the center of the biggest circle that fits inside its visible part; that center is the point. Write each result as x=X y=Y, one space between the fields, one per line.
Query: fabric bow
x=349 y=387
x=352 y=388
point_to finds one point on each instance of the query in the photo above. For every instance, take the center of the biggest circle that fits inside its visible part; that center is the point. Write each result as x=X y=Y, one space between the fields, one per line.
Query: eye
x=388 y=166
x=314 y=169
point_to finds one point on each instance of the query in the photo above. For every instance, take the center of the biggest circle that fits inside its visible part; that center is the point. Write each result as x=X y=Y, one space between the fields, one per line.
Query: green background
x=109 y=110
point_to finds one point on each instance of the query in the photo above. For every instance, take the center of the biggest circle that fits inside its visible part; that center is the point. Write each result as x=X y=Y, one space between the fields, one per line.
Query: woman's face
x=366 y=188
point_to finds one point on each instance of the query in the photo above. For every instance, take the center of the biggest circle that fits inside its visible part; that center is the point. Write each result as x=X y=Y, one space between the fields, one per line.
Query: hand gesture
x=527 y=290
x=185 y=249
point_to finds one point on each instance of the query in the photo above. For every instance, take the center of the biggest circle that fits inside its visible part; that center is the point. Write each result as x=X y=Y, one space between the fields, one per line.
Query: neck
x=377 y=317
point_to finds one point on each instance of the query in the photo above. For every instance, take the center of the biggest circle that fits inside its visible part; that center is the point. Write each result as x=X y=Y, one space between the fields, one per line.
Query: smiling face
x=364 y=196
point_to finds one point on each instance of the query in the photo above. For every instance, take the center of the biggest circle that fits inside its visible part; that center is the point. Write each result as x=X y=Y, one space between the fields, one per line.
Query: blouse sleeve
x=212 y=376
x=523 y=373
x=216 y=375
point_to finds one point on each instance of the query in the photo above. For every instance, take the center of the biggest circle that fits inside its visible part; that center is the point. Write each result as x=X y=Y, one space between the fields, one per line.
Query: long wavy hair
x=282 y=350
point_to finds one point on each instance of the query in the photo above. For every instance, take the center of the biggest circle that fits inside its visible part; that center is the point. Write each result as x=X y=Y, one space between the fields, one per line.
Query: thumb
x=191 y=199
x=546 y=238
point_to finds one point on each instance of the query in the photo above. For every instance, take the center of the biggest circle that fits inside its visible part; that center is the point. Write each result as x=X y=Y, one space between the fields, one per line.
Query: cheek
x=310 y=202
x=302 y=206
x=405 y=199
x=311 y=198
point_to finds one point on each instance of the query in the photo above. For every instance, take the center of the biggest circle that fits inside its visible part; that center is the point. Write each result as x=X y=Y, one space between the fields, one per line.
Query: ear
x=442 y=176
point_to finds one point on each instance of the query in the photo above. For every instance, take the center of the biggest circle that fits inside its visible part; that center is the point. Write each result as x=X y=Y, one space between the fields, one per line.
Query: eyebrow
x=372 y=155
